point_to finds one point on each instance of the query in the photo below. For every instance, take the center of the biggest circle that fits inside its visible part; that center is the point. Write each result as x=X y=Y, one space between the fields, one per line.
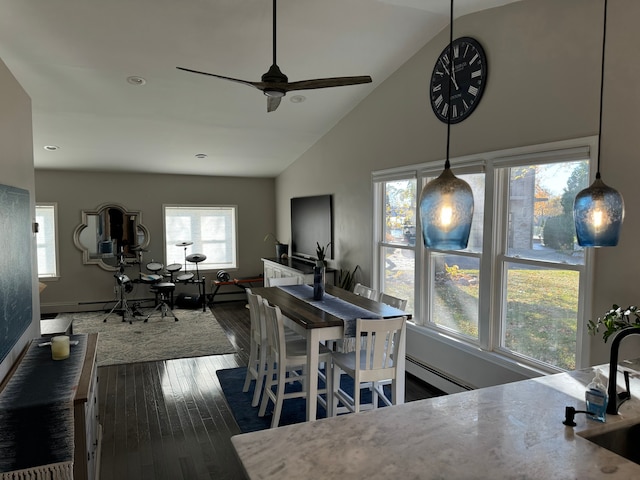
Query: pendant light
x=446 y=203
x=598 y=211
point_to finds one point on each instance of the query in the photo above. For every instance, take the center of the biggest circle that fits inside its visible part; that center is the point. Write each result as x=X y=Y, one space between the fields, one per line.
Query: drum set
x=162 y=281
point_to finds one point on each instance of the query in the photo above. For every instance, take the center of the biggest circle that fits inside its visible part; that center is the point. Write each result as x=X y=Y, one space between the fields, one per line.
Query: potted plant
x=319 y=271
x=615 y=320
x=282 y=249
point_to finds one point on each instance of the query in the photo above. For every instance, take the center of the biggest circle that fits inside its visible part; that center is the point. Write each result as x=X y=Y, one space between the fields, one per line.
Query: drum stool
x=165 y=291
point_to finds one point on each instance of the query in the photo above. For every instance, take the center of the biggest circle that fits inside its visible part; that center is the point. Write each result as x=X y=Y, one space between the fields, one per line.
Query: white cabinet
x=55 y=388
x=291 y=267
x=274 y=268
x=88 y=431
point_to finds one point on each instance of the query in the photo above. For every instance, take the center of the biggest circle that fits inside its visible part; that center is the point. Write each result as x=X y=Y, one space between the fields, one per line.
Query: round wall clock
x=468 y=79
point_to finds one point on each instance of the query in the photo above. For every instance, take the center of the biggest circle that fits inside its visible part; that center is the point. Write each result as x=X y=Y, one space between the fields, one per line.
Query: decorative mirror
x=110 y=235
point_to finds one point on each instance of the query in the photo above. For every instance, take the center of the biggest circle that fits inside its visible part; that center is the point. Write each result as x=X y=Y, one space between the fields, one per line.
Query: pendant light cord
x=451 y=67
x=274 y=32
x=604 y=41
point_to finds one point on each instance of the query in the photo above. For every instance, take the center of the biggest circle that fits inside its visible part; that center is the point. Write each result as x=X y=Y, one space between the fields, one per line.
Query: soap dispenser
x=596 y=398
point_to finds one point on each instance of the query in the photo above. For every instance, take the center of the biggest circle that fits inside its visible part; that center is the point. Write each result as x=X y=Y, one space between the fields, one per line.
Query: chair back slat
x=365 y=291
x=378 y=342
x=399 y=303
x=256 y=317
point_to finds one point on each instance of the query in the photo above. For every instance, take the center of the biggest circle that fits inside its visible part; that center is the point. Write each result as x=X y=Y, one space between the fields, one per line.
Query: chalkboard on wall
x=15 y=266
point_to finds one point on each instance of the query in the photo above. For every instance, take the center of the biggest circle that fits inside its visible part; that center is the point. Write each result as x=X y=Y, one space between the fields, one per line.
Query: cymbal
x=184 y=244
x=196 y=257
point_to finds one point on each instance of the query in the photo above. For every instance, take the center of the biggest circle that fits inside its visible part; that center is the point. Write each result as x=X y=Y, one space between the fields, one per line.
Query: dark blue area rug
x=293 y=410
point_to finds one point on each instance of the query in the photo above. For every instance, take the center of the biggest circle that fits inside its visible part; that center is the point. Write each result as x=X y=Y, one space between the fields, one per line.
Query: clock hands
x=452 y=74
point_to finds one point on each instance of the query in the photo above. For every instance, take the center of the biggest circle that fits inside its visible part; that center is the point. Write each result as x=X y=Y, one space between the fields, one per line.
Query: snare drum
x=185 y=277
x=150 y=278
x=174 y=267
x=154 y=266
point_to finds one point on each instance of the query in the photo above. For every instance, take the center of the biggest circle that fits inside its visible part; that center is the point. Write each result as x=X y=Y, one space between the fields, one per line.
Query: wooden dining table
x=318 y=325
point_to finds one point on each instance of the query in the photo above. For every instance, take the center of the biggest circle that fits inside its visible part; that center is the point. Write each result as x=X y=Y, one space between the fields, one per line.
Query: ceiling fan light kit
x=275 y=84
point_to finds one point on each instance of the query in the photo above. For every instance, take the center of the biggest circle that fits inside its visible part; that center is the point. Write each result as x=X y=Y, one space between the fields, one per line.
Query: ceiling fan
x=275 y=84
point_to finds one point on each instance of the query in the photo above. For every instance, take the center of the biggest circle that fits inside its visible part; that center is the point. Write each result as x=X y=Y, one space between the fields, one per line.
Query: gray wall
x=79 y=284
x=544 y=60
x=16 y=170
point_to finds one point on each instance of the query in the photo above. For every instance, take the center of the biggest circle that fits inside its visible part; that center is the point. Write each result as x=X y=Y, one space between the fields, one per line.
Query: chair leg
x=356 y=395
x=268 y=382
x=250 y=366
x=280 y=384
x=328 y=382
x=335 y=388
x=261 y=377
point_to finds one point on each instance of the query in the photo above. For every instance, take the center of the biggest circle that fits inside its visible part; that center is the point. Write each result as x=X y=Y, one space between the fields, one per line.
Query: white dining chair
x=399 y=303
x=378 y=343
x=285 y=360
x=280 y=281
x=365 y=291
x=257 y=364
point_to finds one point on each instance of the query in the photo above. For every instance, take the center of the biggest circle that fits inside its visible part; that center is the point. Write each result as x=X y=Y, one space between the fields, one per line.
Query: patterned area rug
x=196 y=334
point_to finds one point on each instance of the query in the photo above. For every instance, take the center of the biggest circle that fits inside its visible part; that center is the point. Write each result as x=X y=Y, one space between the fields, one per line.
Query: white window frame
x=491 y=258
x=51 y=249
x=207 y=264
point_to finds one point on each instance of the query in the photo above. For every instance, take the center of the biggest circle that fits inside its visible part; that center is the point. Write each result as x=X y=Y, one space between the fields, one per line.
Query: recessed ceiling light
x=201 y=155
x=135 y=80
x=298 y=99
x=51 y=148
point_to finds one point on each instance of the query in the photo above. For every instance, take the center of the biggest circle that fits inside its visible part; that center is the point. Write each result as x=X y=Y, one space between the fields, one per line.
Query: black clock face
x=467 y=82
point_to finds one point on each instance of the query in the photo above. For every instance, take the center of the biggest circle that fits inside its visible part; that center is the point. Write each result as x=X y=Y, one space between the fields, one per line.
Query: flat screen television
x=311 y=222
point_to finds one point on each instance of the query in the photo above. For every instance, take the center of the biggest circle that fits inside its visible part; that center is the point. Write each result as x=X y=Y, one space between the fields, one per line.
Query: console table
x=51 y=406
x=292 y=267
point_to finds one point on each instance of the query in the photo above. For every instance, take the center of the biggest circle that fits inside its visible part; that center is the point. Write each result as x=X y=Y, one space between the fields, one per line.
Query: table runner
x=337 y=307
x=36 y=414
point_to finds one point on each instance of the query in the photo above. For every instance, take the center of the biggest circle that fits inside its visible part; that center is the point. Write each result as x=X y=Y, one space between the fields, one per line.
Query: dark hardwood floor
x=169 y=420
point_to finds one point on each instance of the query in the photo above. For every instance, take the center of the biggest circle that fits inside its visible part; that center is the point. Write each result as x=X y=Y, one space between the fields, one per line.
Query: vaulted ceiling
x=76 y=60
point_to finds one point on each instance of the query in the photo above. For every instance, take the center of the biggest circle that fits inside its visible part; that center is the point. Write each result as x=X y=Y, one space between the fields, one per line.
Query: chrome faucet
x=616 y=399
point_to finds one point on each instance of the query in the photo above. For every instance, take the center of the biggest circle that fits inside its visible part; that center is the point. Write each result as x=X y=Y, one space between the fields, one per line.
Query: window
x=212 y=229
x=519 y=288
x=46 y=240
x=398 y=242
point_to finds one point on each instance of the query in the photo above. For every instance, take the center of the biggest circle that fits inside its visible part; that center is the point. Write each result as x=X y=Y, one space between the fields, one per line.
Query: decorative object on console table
x=282 y=249
x=319 y=271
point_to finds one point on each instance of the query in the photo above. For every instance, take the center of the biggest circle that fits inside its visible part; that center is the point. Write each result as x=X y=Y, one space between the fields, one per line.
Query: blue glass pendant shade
x=446 y=211
x=598 y=212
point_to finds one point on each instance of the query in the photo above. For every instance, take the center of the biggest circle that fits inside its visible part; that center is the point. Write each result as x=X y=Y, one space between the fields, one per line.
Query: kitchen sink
x=625 y=441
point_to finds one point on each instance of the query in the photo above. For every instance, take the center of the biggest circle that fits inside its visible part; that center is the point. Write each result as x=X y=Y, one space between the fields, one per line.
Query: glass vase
x=318 y=280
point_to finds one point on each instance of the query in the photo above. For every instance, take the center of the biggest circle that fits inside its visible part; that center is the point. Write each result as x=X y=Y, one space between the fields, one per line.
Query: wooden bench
x=241 y=283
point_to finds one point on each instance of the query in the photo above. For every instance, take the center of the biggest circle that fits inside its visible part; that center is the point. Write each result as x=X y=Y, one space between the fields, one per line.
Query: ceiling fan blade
x=273 y=103
x=237 y=80
x=326 y=83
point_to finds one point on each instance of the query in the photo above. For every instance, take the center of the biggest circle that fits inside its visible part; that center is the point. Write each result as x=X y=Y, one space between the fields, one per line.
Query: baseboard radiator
x=436 y=377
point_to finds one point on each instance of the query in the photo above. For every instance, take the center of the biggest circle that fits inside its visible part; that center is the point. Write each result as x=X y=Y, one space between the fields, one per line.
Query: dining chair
x=399 y=303
x=378 y=343
x=257 y=364
x=279 y=281
x=364 y=291
x=285 y=359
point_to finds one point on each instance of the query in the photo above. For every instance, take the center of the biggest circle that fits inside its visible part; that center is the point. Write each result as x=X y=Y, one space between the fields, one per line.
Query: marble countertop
x=507 y=431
